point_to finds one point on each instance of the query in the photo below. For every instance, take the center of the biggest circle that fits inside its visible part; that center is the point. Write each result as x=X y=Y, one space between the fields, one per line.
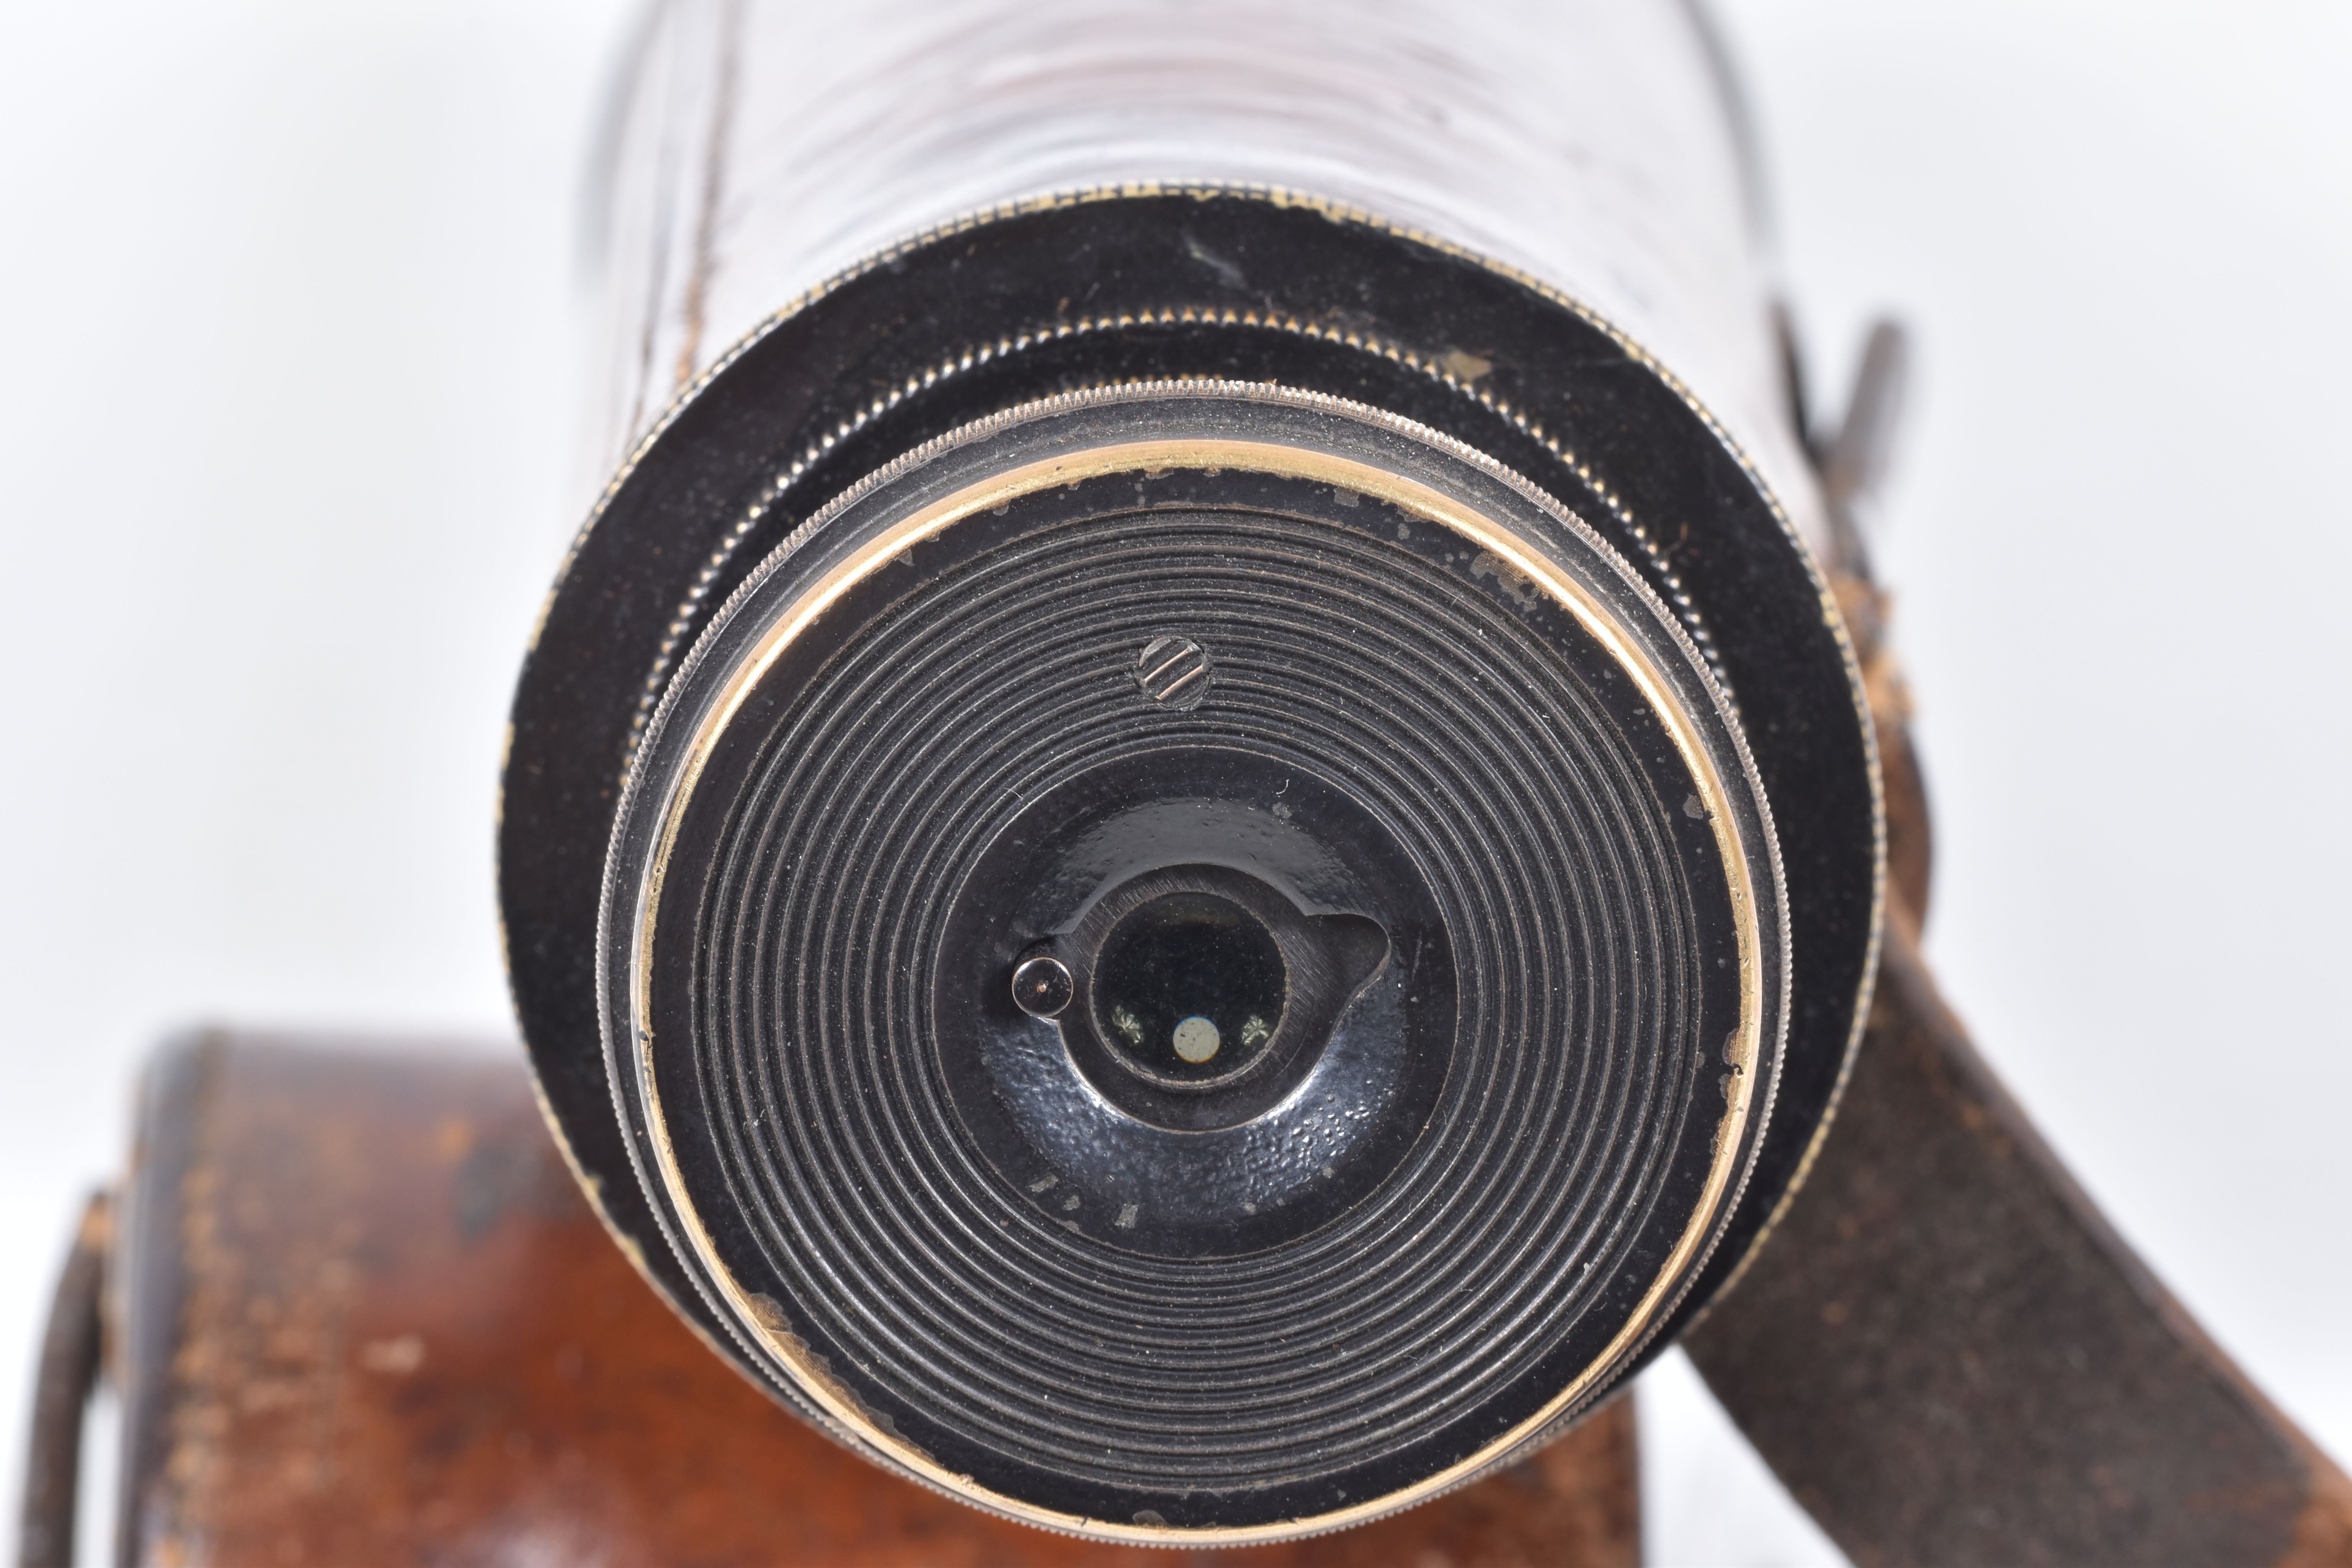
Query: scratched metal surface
x=760 y=148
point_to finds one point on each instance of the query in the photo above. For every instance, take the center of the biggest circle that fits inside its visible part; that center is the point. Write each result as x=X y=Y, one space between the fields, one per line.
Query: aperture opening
x=1189 y=990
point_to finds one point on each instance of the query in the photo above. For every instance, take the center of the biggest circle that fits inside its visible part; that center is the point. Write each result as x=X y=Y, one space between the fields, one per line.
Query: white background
x=288 y=329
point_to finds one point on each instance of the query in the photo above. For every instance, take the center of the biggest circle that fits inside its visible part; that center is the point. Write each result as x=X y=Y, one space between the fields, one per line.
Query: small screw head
x=1041 y=986
x=1173 y=671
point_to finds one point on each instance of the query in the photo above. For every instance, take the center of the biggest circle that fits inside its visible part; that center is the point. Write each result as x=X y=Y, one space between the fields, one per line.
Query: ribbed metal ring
x=1392 y=622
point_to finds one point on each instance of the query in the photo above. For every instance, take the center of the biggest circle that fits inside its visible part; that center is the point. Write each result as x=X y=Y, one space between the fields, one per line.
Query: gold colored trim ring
x=755 y=1317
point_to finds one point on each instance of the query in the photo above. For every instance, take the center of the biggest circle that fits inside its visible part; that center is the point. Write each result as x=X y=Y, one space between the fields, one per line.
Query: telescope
x=1214 y=820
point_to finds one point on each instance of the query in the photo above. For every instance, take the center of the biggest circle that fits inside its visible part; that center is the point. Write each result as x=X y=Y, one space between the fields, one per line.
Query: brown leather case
x=364 y=1317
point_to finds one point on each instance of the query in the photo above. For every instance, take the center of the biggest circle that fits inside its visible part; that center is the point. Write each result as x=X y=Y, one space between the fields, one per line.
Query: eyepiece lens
x=1190 y=987
x=1197 y=1039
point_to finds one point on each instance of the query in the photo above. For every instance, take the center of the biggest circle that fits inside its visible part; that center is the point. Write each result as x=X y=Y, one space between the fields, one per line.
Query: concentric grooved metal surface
x=1604 y=960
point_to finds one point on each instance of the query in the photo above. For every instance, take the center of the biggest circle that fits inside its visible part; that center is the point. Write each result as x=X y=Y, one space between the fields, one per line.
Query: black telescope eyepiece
x=1188 y=863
